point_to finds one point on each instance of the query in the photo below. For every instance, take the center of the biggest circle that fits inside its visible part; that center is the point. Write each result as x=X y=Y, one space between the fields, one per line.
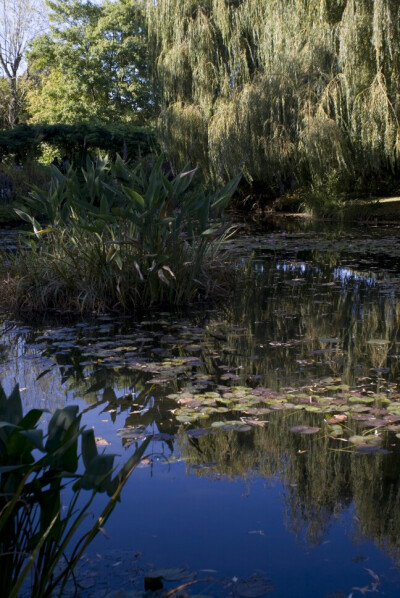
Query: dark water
x=229 y=488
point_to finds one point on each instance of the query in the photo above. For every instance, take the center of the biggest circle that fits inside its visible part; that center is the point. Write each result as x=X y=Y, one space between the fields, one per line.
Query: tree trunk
x=13 y=108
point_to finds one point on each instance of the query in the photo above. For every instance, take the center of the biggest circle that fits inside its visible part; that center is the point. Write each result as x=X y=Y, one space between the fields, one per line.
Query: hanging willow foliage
x=287 y=90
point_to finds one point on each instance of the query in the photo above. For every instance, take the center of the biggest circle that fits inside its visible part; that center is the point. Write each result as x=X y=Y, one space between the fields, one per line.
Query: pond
x=274 y=464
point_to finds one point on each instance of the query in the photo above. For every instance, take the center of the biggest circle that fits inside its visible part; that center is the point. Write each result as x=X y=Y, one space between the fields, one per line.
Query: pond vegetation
x=36 y=529
x=120 y=238
x=294 y=382
x=252 y=366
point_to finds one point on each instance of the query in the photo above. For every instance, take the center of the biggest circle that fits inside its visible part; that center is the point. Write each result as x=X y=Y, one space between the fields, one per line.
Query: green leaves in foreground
x=37 y=531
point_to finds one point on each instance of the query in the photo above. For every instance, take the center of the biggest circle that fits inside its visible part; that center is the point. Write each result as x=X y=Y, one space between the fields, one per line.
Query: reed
x=120 y=238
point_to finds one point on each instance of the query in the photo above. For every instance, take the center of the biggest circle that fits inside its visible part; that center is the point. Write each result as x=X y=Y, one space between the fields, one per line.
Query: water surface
x=274 y=465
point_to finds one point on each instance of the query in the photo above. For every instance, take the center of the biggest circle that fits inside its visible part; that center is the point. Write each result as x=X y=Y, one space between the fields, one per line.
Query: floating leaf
x=199 y=432
x=171 y=574
x=368 y=443
x=337 y=419
x=366 y=400
x=231 y=426
x=101 y=441
x=254 y=587
x=336 y=430
x=304 y=430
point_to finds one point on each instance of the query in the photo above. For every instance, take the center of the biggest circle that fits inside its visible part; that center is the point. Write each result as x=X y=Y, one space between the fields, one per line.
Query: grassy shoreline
x=122 y=240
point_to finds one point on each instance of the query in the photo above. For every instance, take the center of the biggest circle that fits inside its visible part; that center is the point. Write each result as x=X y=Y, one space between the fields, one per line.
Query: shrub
x=21 y=179
x=121 y=238
x=26 y=142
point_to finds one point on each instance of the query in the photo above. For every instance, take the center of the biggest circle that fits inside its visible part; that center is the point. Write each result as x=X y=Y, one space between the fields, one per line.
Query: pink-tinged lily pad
x=368 y=443
x=394 y=428
x=304 y=430
x=372 y=422
x=101 y=441
x=336 y=419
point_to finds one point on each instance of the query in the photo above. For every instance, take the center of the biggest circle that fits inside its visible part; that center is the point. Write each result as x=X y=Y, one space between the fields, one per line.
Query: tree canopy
x=20 y=22
x=91 y=64
x=288 y=90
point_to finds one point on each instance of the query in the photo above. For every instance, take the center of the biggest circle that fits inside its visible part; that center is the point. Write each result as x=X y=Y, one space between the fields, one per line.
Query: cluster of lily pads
x=211 y=400
x=215 y=361
x=341 y=410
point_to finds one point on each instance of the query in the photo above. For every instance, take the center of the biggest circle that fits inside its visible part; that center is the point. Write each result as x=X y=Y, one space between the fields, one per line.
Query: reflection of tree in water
x=376 y=495
x=4 y=345
x=317 y=487
x=291 y=324
x=319 y=483
x=299 y=323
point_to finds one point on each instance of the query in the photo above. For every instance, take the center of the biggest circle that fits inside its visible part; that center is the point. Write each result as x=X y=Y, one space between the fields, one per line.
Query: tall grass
x=118 y=238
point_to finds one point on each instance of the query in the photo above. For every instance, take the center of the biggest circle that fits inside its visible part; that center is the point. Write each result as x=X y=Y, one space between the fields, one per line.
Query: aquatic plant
x=120 y=238
x=38 y=536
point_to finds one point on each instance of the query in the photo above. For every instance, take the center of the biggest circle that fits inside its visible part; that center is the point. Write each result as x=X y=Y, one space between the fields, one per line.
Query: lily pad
x=304 y=430
x=231 y=426
x=336 y=430
x=254 y=587
x=171 y=574
x=368 y=439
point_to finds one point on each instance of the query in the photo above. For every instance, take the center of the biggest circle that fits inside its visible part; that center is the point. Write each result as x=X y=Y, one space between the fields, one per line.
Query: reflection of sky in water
x=173 y=514
x=340 y=274
x=345 y=275
x=285 y=267
x=297 y=268
x=237 y=528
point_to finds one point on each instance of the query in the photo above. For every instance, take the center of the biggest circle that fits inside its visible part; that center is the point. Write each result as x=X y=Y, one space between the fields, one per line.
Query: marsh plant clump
x=296 y=92
x=121 y=239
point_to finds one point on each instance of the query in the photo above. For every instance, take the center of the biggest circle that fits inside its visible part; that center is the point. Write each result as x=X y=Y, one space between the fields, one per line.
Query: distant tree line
x=29 y=141
x=291 y=92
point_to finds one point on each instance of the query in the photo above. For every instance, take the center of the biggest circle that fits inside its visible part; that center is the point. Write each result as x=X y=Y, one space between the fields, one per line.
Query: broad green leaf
x=89 y=449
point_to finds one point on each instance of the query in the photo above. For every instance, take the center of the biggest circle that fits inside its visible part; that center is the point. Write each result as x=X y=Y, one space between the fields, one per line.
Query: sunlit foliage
x=91 y=64
x=292 y=90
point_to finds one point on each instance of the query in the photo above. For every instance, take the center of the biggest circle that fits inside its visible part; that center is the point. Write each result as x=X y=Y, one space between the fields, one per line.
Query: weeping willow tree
x=289 y=91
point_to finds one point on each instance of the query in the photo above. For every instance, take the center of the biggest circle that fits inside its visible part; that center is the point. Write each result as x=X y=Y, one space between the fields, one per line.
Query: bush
x=27 y=142
x=21 y=178
x=121 y=239
x=36 y=533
